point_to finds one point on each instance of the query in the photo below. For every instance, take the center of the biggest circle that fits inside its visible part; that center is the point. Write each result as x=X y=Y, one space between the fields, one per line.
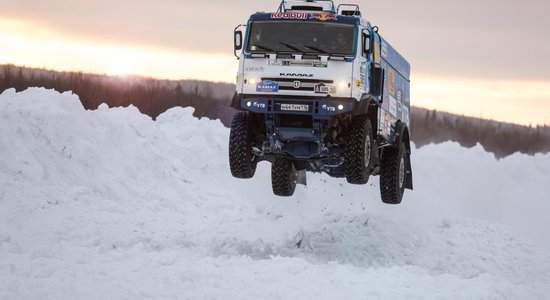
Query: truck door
x=363 y=61
x=379 y=73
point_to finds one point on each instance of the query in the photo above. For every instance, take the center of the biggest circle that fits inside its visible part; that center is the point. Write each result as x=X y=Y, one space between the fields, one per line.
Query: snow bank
x=108 y=204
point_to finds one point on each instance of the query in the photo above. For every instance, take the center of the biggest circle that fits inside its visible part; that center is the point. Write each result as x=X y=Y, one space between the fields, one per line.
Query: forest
x=212 y=100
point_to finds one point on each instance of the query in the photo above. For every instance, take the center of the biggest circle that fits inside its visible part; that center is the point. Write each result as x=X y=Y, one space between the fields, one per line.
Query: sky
x=478 y=58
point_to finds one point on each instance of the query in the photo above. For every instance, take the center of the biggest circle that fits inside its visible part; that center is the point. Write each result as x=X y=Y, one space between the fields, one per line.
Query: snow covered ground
x=108 y=204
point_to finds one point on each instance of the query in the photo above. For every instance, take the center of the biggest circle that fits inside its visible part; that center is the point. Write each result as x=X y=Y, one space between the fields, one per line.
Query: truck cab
x=319 y=90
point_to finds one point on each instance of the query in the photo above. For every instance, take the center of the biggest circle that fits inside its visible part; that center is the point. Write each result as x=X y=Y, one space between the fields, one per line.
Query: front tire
x=241 y=159
x=283 y=177
x=393 y=174
x=360 y=151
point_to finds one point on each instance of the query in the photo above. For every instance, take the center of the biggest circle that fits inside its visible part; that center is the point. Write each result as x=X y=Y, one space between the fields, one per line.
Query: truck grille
x=288 y=84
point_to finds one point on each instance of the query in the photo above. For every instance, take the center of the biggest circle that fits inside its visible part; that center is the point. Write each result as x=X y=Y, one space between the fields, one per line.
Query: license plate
x=322 y=89
x=295 y=107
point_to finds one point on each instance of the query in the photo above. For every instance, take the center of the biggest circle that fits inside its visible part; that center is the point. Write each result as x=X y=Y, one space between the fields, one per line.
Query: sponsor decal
x=399 y=110
x=328 y=108
x=291 y=63
x=323 y=17
x=383 y=124
x=389 y=124
x=295 y=75
x=384 y=49
x=267 y=86
x=259 y=105
x=399 y=103
x=297 y=64
x=385 y=104
x=393 y=106
x=289 y=15
x=254 y=69
x=392 y=82
x=386 y=122
x=286 y=63
x=295 y=107
x=362 y=74
x=321 y=88
x=376 y=54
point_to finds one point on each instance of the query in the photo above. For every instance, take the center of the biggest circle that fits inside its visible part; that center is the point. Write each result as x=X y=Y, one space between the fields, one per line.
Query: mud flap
x=408 y=174
x=236 y=102
x=301 y=177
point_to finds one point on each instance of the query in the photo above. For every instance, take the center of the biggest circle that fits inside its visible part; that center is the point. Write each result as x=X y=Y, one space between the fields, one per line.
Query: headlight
x=342 y=85
x=252 y=81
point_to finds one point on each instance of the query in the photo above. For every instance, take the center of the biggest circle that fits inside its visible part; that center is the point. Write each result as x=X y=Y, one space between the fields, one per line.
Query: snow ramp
x=109 y=204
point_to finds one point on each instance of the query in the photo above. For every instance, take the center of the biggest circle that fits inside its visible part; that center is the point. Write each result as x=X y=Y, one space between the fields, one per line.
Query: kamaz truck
x=318 y=89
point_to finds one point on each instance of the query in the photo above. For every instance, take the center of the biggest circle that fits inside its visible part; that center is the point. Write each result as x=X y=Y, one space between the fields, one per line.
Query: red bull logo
x=323 y=17
x=289 y=15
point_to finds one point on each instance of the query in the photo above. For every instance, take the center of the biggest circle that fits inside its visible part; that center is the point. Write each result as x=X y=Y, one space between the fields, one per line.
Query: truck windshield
x=301 y=37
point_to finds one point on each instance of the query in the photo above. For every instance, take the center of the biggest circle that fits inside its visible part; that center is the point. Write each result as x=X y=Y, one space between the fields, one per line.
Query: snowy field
x=108 y=204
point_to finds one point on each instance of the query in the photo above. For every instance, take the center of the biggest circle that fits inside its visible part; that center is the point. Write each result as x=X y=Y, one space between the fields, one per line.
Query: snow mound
x=108 y=204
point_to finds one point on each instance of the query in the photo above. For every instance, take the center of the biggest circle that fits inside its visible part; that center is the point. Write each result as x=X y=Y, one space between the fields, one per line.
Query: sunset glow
x=22 y=44
x=522 y=102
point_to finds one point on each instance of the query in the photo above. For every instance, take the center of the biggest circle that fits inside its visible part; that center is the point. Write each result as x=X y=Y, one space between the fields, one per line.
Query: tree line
x=502 y=139
x=153 y=97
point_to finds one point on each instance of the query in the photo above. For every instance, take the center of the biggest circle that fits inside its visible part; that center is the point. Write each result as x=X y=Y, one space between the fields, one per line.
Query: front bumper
x=299 y=106
x=313 y=114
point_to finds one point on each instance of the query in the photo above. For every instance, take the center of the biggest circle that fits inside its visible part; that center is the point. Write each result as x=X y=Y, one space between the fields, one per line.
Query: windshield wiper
x=264 y=47
x=292 y=47
x=316 y=49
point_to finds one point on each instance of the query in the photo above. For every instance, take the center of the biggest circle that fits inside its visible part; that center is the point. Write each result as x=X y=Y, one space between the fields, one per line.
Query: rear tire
x=283 y=177
x=393 y=174
x=241 y=159
x=360 y=151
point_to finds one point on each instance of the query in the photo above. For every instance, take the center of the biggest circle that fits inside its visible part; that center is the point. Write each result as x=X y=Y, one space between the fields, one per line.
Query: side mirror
x=366 y=43
x=238 y=40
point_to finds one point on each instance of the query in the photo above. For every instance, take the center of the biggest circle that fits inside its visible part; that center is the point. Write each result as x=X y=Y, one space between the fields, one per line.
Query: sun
x=121 y=68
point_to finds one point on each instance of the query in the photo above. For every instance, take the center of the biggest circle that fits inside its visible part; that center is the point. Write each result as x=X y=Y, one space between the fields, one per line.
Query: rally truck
x=319 y=90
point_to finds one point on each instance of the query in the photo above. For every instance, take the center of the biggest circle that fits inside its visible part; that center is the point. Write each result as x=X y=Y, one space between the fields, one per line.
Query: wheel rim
x=401 y=172
x=367 y=151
